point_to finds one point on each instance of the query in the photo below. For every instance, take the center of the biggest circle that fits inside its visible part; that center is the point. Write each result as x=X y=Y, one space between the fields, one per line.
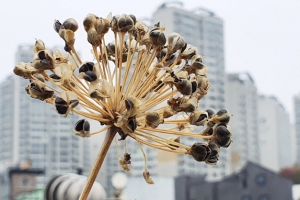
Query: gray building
x=241 y=100
x=297 y=124
x=275 y=135
x=204 y=30
x=253 y=182
x=32 y=129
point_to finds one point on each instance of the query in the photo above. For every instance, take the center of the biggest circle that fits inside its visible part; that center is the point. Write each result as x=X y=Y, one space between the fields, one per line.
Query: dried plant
x=137 y=86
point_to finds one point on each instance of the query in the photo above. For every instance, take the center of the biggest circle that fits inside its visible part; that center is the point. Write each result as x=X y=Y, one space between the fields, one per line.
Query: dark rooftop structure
x=253 y=182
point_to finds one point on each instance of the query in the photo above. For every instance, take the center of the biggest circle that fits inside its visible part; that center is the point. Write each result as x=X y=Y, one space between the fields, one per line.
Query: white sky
x=261 y=36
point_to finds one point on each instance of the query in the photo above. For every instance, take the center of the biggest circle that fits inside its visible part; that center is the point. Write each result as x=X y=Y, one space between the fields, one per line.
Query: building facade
x=204 y=30
x=275 y=137
x=252 y=182
x=297 y=125
x=241 y=101
x=32 y=129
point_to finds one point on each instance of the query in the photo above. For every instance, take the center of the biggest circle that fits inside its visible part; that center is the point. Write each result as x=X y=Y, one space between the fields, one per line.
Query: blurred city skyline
x=261 y=37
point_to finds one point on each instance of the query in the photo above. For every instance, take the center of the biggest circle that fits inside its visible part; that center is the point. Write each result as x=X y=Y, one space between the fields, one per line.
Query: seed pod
x=102 y=26
x=197 y=62
x=141 y=29
x=133 y=105
x=182 y=74
x=203 y=85
x=125 y=23
x=147 y=177
x=157 y=37
x=153 y=119
x=184 y=86
x=125 y=162
x=190 y=105
x=200 y=151
x=222 y=116
x=100 y=89
x=175 y=42
x=171 y=58
x=169 y=112
x=56 y=25
x=161 y=54
x=70 y=24
x=37 y=90
x=82 y=128
x=89 y=22
x=198 y=118
x=222 y=136
x=214 y=155
x=175 y=103
x=201 y=72
x=25 y=70
x=66 y=102
x=89 y=71
x=127 y=125
x=211 y=112
x=43 y=60
x=38 y=46
x=189 y=52
x=59 y=57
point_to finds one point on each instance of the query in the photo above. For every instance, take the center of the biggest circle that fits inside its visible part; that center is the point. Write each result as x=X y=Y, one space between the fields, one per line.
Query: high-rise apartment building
x=275 y=136
x=241 y=101
x=32 y=129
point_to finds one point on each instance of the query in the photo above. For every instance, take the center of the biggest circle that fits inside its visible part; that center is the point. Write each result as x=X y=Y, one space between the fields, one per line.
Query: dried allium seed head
x=189 y=52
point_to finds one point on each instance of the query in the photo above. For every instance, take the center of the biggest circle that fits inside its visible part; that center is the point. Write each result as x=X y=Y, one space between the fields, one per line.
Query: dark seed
x=61 y=109
x=55 y=77
x=79 y=125
x=60 y=101
x=129 y=104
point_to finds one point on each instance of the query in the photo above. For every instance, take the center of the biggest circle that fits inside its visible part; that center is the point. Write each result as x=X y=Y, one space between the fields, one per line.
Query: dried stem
x=111 y=132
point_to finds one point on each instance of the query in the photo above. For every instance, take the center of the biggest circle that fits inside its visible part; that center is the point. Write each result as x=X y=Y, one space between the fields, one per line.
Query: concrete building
x=204 y=30
x=275 y=137
x=241 y=101
x=252 y=182
x=32 y=129
x=297 y=125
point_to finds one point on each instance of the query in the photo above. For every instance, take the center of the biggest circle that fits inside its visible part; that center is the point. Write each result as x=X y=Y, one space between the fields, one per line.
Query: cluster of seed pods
x=139 y=84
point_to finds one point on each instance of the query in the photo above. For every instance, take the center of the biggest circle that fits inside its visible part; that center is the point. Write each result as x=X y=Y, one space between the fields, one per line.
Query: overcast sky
x=261 y=36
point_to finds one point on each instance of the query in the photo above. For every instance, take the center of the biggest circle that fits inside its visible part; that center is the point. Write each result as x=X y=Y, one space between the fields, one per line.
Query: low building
x=253 y=182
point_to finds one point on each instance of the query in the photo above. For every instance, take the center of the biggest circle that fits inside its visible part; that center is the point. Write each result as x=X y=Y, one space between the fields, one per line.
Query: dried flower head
x=137 y=86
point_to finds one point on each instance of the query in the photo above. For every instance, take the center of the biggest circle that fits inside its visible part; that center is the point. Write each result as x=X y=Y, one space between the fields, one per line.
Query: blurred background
x=252 y=49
